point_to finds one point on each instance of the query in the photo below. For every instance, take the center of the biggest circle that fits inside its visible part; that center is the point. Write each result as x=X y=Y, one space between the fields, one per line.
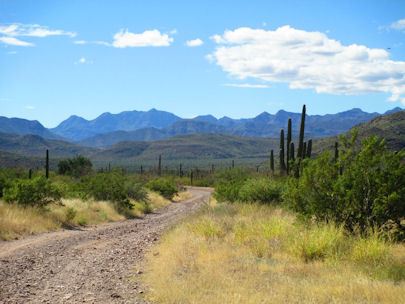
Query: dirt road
x=88 y=265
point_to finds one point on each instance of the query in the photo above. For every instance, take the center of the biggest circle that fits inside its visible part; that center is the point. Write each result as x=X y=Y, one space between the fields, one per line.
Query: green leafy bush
x=77 y=166
x=115 y=187
x=263 y=190
x=165 y=187
x=360 y=189
x=229 y=184
x=38 y=191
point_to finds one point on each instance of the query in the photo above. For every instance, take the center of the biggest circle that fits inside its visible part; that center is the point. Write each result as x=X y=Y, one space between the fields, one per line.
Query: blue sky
x=233 y=58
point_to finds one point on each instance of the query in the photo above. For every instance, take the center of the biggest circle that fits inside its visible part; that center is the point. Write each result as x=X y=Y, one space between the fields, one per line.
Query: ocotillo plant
x=272 y=161
x=309 y=148
x=301 y=138
x=288 y=145
x=159 y=170
x=47 y=164
x=282 y=162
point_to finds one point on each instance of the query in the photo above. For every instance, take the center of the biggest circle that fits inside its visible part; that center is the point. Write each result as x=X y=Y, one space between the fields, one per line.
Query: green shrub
x=262 y=190
x=115 y=187
x=165 y=187
x=32 y=192
x=77 y=166
x=229 y=184
x=361 y=189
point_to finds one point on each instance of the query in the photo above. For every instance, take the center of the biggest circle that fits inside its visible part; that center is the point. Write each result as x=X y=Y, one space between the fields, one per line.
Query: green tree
x=77 y=166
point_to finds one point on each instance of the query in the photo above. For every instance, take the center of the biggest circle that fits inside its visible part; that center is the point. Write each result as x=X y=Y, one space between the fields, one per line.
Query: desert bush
x=115 y=187
x=262 y=190
x=164 y=186
x=32 y=192
x=76 y=166
x=229 y=183
x=360 y=189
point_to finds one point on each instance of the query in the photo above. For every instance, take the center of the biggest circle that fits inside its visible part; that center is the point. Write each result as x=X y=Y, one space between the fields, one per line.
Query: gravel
x=86 y=265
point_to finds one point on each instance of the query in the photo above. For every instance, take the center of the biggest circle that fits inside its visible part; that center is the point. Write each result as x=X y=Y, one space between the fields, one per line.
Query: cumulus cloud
x=246 y=85
x=13 y=30
x=398 y=25
x=124 y=39
x=309 y=60
x=195 y=42
x=80 y=42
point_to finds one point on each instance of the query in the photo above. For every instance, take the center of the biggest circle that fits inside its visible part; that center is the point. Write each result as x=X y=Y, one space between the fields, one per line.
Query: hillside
x=23 y=126
x=35 y=146
x=390 y=126
x=191 y=148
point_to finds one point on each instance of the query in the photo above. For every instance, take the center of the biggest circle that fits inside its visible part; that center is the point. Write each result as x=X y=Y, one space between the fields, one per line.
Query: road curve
x=88 y=265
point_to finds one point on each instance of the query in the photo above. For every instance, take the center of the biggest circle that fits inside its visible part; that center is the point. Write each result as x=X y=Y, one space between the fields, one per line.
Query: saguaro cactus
x=282 y=162
x=29 y=173
x=160 y=165
x=300 y=151
x=272 y=161
x=180 y=170
x=292 y=156
x=288 y=145
x=212 y=169
x=191 y=177
x=47 y=164
x=309 y=148
x=141 y=170
x=233 y=164
x=336 y=151
x=304 y=150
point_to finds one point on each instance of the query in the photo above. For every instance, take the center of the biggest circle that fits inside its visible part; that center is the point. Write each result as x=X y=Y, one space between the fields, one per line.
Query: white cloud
x=308 y=60
x=173 y=32
x=195 y=42
x=12 y=53
x=14 y=41
x=82 y=60
x=32 y=30
x=147 y=38
x=30 y=107
x=79 y=42
x=246 y=85
x=14 y=30
x=398 y=25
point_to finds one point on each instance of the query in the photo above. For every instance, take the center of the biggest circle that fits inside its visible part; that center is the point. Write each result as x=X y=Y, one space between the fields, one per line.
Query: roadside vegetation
x=77 y=196
x=330 y=231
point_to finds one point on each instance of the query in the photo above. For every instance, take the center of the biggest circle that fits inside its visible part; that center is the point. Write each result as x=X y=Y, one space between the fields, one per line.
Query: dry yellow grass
x=16 y=221
x=257 y=254
x=183 y=195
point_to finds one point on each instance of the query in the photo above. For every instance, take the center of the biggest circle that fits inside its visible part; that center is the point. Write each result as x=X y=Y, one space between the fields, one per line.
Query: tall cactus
x=212 y=169
x=141 y=170
x=292 y=156
x=309 y=148
x=29 y=173
x=160 y=165
x=272 y=161
x=180 y=170
x=233 y=164
x=300 y=151
x=191 y=177
x=47 y=164
x=336 y=151
x=304 y=150
x=282 y=162
x=288 y=145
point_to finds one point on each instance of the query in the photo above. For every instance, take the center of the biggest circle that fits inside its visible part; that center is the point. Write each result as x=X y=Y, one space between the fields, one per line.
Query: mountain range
x=198 y=149
x=109 y=129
